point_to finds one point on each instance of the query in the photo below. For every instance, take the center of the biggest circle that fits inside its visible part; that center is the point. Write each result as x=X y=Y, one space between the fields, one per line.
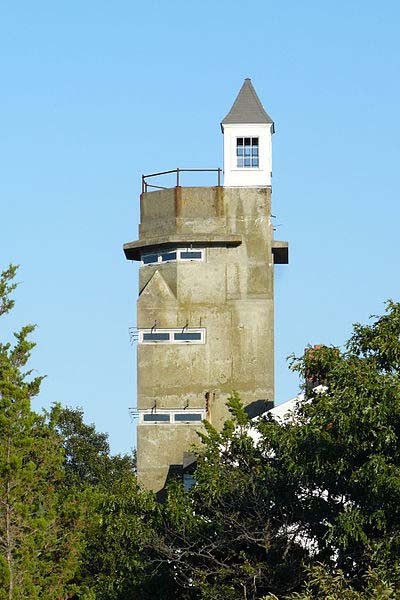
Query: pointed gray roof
x=247 y=108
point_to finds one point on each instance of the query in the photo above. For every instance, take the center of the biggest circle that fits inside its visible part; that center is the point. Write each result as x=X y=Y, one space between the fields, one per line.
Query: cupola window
x=247 y=152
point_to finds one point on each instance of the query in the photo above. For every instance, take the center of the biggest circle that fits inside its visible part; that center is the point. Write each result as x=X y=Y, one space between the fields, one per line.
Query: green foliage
x=113 y=565
x=345 y=446
x=37 y=544
x=228 y=538
x=7 y=286
x=114 y=527
x=87 y=459
x=380 y=583
x=313 y=509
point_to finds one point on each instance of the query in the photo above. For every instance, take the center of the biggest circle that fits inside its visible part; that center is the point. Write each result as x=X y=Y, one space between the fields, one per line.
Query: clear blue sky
x=93 y=94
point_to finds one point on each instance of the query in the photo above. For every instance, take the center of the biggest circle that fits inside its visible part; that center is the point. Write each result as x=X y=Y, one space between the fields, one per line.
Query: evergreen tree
x=38 y=546
x=115 y=524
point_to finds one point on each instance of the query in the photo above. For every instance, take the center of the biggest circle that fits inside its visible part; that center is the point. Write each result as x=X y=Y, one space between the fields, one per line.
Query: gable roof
x=247 y=108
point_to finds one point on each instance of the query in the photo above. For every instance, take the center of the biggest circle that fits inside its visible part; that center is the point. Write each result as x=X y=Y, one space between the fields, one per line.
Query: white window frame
x=171 y=333
x=179 y=258
x=250 y=167
x=172 y=414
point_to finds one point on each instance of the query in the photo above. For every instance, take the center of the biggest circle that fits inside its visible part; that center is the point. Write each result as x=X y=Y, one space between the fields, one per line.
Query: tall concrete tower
x=205 y=313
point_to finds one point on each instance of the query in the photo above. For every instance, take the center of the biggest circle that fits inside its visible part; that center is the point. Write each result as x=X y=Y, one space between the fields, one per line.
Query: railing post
x=177 y=177
x=142 y=184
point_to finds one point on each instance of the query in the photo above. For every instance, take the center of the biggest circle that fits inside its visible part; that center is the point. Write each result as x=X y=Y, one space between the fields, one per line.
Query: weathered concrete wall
x=230 y=294
x=159 y=448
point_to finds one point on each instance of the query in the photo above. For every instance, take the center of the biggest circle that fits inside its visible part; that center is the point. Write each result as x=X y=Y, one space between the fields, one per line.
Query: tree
x=37 y=543
x=313 y=508
x=344 y=448
x=232 y=536
x=120 y=525
x=87 y=459
x=114 y=526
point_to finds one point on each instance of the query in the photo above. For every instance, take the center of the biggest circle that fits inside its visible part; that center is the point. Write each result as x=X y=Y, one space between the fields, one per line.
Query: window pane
x=188 y=481
x=240 y=162
x=187 y=417
x=247 y=151
x=191 y=255
x=156 y=337
x=149 y=258
x=254 y=150
x=255 y=162
x=239 y=142
x=187 y=336
x=254 y=141
x=247 y=162
x=239 y=151
x=156 y=417
x=168 y=256
x=247 y=141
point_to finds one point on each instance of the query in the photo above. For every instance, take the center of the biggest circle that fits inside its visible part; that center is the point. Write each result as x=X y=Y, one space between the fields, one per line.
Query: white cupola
x=247 y=130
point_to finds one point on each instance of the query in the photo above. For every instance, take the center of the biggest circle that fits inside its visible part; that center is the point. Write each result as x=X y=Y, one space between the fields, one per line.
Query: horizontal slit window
x=156 y=337
x=150 y=258
x=192 y=255
x=172 y=336
x=168 y=256
x=157 y=417
x=188 y=417
x=187 y=336
x=173 y=254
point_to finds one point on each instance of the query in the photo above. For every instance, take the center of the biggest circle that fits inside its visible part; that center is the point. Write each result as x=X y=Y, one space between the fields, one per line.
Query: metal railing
x=146 y=185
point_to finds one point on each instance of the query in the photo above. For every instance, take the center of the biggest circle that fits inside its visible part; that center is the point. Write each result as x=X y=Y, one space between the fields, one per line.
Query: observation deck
x=198 y=216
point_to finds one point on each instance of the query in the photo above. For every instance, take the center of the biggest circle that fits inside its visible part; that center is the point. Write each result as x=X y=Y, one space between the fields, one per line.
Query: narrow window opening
x=156 y=417
x=149 y=258
x=188 y=481
x=189 y=417
x=187 y=336
x=168 y=256
x=171 y=336
x=156 y=337
x=191 y=255
x=173 y=254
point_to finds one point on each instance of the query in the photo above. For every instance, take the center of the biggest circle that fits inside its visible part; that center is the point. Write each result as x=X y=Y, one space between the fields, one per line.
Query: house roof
x=247 y=108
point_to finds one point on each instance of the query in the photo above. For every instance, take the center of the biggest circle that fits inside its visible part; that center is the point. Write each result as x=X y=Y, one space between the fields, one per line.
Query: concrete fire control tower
x=205 y=313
